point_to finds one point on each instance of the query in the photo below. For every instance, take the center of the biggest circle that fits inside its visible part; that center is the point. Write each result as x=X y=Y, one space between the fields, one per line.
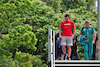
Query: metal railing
x=54 y=63
x=51 y=47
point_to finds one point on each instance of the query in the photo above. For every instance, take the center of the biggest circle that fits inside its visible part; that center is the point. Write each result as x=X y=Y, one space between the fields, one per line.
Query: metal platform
x=77 y=63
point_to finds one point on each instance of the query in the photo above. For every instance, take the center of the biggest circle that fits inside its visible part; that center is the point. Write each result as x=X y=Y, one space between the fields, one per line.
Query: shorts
x=68 y=41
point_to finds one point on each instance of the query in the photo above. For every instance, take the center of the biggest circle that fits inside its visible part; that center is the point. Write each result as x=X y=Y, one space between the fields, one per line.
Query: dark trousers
x=74 y=54
x=58 y=49
x=94 y=52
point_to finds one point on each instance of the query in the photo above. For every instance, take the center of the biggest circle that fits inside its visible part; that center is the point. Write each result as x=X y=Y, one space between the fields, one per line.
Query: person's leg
x=62 y=56
x=63 y=44
x=69 y=51
x=69 y=44
x=72 y=53
x=86 y=51
x=58 y=58
x=64 y=49
x=56 y=52
x=94 y=51
x=57 y=49
x=90 y=51
x=59 y=53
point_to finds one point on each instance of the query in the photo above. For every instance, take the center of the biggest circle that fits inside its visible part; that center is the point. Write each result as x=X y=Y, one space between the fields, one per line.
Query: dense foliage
x=64 y=5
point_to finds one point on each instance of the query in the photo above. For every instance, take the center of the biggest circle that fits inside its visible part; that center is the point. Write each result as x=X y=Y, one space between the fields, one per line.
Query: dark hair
x=87 y=21
x=92 y=25
x=66 y=15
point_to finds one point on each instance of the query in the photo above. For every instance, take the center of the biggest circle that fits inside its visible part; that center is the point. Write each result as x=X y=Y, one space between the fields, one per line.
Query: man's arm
x=94 y=38
x=80 y=33
x=74 y=30
x=97 y=41
x=97 y=44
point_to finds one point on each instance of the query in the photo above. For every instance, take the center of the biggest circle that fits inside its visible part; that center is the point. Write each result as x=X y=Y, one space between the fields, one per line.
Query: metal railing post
x=49 y=49
x=54 y=47
x=99 y=27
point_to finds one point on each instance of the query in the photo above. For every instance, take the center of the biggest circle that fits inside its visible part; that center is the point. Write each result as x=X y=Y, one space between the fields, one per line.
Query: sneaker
x=65 y=56
x=68 y=58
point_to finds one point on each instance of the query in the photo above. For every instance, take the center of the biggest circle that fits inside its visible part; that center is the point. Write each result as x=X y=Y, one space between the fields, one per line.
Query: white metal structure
x=99 y=28
x=57 y=63
x=51 y=47
x=96 y=4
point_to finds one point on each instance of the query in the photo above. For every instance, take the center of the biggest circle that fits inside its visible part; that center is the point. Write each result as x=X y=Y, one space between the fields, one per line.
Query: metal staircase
x=63 y=63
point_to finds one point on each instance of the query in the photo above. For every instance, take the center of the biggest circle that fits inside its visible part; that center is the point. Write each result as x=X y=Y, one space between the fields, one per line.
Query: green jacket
x=88 y=32
x=82 y=40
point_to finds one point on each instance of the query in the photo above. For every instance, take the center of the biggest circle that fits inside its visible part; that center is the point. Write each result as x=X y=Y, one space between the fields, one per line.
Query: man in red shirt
x=67 y=37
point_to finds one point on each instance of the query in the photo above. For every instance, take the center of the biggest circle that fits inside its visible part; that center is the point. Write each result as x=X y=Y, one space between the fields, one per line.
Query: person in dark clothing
x=94 y=47
x=58 y=51
x=58 y=47
x=74 y=55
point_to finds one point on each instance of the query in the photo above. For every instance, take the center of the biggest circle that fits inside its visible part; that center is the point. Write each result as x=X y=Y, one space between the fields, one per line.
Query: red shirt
x=67 y=27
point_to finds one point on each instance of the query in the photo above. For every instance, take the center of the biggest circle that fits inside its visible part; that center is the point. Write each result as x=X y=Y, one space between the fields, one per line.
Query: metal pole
x=99 y=27
x=49 y=47
x=54 y=47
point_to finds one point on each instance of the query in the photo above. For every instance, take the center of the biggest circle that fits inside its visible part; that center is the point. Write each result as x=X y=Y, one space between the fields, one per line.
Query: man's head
x=87 y=23
x=66 y=17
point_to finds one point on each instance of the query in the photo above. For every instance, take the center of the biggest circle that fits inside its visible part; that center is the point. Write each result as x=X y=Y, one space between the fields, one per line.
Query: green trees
x=64 y=5
x=19 y=21
x=27 y=60
x=18 y=36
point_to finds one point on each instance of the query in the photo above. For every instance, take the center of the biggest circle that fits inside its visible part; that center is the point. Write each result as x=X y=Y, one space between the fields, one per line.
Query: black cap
x=87 y=21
